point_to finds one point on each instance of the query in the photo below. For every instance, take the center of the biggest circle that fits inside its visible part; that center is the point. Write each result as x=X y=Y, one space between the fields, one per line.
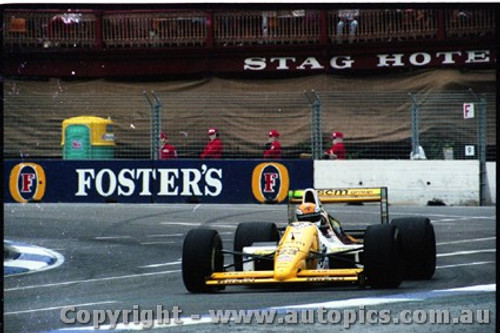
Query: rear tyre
x=382 y=259
x=248 y=233
x=418 y=243
x=201 y=256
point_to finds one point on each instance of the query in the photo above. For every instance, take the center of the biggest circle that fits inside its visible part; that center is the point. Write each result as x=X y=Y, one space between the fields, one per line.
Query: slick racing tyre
x=201 y=256
x=248 y=233
x=382 y=259
x=418 y=243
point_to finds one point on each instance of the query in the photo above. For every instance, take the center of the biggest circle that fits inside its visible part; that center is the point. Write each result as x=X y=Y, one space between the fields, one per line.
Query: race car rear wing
x=341 y=195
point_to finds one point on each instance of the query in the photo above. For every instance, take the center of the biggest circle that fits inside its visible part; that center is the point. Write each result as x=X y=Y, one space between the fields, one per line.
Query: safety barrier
x=181 y=181
x=245 y=181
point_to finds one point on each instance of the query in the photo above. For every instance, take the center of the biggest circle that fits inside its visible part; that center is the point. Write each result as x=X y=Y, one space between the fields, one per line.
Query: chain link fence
x=376 y=125
x=392 y=125
x=32 y=121
x=449 y=125
x=242 y=120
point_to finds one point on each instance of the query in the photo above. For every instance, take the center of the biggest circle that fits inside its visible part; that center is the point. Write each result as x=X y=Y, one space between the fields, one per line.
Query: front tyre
x=201 y=256
x=382 y=259
x=248 y=233
x=418 y=247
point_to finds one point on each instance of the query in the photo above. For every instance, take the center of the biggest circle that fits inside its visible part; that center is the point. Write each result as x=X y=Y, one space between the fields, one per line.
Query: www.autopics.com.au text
x=161 y=316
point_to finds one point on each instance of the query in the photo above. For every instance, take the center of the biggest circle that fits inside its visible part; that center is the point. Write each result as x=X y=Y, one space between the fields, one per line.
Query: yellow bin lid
x=100 y=132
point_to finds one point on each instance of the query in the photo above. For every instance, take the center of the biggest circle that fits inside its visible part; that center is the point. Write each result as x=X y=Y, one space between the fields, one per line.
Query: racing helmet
x=308 y=211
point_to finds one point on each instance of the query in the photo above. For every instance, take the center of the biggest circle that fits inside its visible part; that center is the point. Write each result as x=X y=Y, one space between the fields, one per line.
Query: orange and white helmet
x=308 y=212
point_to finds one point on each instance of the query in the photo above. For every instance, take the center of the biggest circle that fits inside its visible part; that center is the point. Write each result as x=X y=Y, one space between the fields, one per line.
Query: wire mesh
x=445 y=132
x=376 y=125
x=33 y=119
x=242 y=120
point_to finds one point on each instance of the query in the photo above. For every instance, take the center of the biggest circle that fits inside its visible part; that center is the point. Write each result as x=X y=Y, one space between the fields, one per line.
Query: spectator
x=213 y=149
x=337 y=151
x=167 y=151
x=269 y=24
x=273 y=146
x=347 y=16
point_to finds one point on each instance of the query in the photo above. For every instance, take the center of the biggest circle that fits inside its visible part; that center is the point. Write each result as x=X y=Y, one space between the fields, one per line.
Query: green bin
x=87 y=138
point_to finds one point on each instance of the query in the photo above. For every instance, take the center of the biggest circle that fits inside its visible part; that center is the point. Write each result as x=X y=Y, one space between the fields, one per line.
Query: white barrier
x=412 y=182
x=491 y=172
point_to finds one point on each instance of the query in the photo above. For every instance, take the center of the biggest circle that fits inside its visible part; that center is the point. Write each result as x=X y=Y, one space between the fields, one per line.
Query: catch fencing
x=376 y=125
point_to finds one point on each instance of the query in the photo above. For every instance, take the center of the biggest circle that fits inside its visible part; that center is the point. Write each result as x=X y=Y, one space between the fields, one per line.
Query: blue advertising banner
x=139 y=181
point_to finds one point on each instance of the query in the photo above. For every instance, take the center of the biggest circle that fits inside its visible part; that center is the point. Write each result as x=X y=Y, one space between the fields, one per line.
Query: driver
x=311 y=212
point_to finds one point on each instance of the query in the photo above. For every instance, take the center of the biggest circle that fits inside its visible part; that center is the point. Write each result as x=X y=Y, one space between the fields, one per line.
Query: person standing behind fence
x=273 y=146
x=213 y=149
x=167 y=151
x=337 y=151
x=347 y=16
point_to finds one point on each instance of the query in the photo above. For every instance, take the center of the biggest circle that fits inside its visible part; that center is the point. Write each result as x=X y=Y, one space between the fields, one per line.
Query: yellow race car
x=314 y=248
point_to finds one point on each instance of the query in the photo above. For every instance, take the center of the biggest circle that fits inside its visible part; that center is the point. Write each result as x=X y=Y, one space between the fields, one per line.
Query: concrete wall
x=491 y=171
x=410 y=182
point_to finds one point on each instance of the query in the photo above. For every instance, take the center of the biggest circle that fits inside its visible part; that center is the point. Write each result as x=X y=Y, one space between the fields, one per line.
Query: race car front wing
x=303 y=276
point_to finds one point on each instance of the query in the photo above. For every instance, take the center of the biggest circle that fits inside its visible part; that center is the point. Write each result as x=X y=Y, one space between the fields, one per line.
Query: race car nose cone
x=283 y=273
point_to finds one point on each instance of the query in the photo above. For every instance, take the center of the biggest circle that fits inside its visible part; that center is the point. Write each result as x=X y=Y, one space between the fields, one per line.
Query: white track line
x=155 y=243
x=112 y=237
x=56 y=308
x=196 y=224
x=464 y=253
x=161 y=265
x=191 y=224
x=468 y=241
x=467 y=264
x=164 y=235
x=58 y=284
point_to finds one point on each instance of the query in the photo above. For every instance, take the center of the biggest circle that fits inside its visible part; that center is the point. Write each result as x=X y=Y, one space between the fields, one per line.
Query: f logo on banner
x=270 y=182
x=27 y=182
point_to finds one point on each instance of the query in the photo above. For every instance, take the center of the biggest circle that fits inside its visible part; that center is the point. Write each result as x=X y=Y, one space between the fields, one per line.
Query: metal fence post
x=155 y=125
x=482 y=152
x=481 y=147
x=415 y=137
x=316 y=134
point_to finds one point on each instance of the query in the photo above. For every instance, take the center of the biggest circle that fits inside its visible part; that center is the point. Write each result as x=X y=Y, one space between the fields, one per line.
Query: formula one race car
x=314 y=248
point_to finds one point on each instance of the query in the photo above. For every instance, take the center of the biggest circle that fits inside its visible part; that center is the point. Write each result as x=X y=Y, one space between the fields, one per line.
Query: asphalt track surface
x=126 y=257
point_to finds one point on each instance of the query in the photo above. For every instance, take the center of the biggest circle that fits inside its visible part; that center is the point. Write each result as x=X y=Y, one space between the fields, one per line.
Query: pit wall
x=411 y=182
